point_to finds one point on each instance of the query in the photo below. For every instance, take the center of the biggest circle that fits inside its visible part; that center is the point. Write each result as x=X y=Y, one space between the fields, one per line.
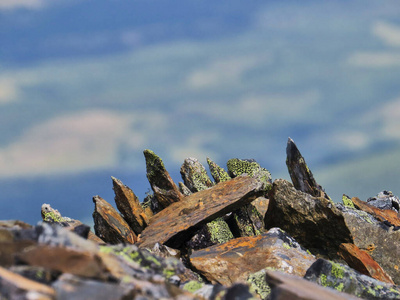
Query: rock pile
x=236 y=236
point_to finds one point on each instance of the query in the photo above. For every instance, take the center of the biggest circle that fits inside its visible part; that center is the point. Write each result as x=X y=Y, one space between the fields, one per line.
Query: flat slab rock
x=237 y=259
x=175 y=224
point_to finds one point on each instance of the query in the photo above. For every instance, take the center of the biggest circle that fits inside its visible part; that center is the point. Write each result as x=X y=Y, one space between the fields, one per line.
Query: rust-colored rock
x=362 y=262
x=236 y=259
x=284 y=286
x=15 y=286
x=177 y=223
x=302 y=177
x=129 y=206
x=165 y=190
x=109 y=225
x=380 y=214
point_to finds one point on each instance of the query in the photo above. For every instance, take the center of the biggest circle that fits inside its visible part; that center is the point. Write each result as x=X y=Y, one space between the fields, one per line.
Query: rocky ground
x=236 y=236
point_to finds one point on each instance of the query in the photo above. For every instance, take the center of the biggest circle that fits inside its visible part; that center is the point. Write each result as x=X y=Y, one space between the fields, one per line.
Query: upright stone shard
x=109 y=225
x=194 y=175
x=247 y=220
x=218 y=173
x=302 y=177
x=177 y=223
x=129 y=206
x=314 y=222
x=165 y=190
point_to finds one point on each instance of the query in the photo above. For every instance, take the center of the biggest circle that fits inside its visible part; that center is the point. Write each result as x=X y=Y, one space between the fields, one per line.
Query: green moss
x=258 y=284
x=52 y=217
x=218 y=173
x=168 y=273
x=286 y=246
x=337 y=270
x=154 y=164
x=219 y=230
x=324 y=280
x=192 y=286
x=347 y=201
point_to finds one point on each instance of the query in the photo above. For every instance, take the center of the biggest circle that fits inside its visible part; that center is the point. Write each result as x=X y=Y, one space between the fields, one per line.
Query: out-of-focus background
x=87 y=85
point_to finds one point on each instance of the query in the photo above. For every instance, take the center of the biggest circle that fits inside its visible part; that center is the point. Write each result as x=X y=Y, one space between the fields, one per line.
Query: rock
x=35 y=273
x=258 y=284
x=70 y=287
x=362 y=262
x=345 y=279
x=165 y=190
x=247 y=220
x=381 y=215
x=306 y=218
x=284 y=286
x=65 y=260
x=236 y=291
x=385 y=200
x=15 y=286
x=53 y=216
x=261 y=204
x=302 y=177
x=109 y=225
x=194 y=175
x=184 y=189
x=14 y=224
x=129 y=206
x=176 y=224
x=218 y=173
x=347 y=201
x=376 y=238
x=237 y=259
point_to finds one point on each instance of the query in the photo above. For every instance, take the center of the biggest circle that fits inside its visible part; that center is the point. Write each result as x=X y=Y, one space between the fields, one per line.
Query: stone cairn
x=236 y=236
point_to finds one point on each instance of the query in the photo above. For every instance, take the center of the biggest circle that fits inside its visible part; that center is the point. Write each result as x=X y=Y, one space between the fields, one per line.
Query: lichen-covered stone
x=218 y=173
x=129 y=206
x=236 y=259
x=344 y=279
x=385 y=200
x=165 y=190
x=310 y=220
x=347 y=201
x=184 y=189
x=258 y=284
x=302 y=177
x=194 y=175
x=237 y=167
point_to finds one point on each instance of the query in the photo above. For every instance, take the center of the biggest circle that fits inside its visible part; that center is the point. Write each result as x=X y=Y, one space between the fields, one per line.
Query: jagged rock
x=237 y=259
x=381 y=215
x=129 y=206
x=109 y=225
x=194 y=175
x=247 y=220
x=70 y=287
x=385 y=200
x=215 y=232
x=347 y=201
x=184 y=189
x=308 y=219
x=176 y=224
x=376 y=238
x=362 y=262
x=302 y=177
x=165 y=190
x=51 y=215
x=345 y=279
x=261 y=204
x=284 y=286
x=15 y=286
x=218 y=173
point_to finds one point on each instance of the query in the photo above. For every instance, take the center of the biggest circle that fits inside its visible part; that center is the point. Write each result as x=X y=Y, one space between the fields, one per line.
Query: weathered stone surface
x=237 y=167
x=15 y=286
x=385 y=200
x=14 y=224
x=194 y=175
x=261 y=204
x=70 y=287
x=53 y=216
x=165 y=190
x=362 y=262
x=176 y=224
x=129 y=206
x=308 y=219
x=302 y=177
x=284 y=286
x=377 y=239
x=237 y=259
x=184 y=189
x=381 y=215
x=109 y=225
x=345 y=279
x=35 y=273
x=218 y=173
